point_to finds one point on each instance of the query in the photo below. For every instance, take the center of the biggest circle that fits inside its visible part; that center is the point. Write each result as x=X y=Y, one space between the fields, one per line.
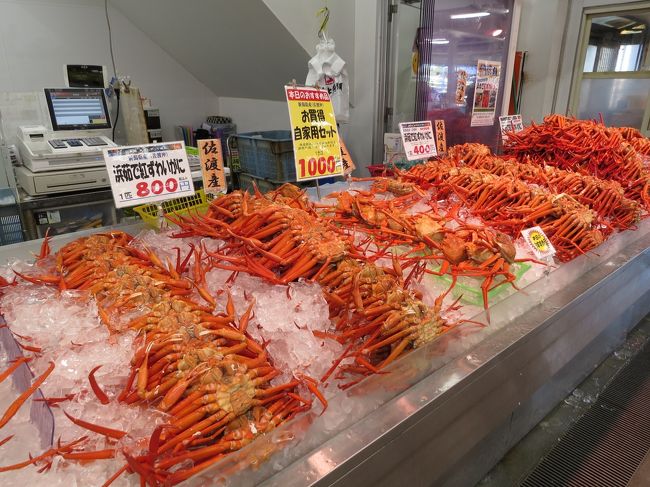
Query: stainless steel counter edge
x=491 y=397
x=488 y=390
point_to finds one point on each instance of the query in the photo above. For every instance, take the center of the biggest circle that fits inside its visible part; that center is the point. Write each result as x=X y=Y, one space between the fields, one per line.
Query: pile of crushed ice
x=66 y=326
x=284 y=317
x=67 y=329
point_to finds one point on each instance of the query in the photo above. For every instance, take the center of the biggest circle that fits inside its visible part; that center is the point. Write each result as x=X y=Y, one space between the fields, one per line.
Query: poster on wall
x=486 y=92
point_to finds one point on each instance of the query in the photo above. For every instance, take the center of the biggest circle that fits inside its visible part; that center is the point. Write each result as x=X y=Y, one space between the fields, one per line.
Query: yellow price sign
x=314 y=133
x=538 y=242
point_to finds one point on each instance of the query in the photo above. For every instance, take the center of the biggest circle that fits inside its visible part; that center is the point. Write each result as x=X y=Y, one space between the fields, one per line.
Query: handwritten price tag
x=441 y=137
x=348 y=163
x=142 y=174
x=538 y=242
x=315 y=137
x=418 y=140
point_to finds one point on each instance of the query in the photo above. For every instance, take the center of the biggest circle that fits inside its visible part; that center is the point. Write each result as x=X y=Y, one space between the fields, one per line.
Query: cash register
x=69 y=157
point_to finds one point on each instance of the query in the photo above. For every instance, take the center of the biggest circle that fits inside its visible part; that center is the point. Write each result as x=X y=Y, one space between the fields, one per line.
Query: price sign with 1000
x=314 y=134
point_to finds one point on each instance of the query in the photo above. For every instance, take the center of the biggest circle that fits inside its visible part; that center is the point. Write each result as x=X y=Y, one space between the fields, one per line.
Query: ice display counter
x=445 y=413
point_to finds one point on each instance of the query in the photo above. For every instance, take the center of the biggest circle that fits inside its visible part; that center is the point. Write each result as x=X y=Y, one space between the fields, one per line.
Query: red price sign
x=147 y=173
x=156 y=187
x=418 y=140
x=422 y=149
x=316 y=167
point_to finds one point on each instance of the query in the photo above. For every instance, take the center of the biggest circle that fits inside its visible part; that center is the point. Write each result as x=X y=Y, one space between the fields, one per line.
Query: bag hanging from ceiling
x=327 y=70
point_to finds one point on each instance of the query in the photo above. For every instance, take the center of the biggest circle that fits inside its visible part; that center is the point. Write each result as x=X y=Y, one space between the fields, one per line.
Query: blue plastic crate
x=11 y=229
x=267 y=155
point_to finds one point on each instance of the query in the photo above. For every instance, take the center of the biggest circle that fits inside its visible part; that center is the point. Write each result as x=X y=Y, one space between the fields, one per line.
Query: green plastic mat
x=469 y=288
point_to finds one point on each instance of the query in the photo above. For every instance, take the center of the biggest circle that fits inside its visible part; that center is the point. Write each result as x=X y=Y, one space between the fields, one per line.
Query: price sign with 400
x=422 y=149
x=321 y=166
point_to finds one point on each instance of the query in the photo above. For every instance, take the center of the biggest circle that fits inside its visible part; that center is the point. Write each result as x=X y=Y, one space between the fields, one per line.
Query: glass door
x=403 y=63
x=612 y=74
x=453 y=36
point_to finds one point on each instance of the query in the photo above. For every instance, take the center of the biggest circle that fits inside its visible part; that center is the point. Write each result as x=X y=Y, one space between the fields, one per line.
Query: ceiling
x=227 y=45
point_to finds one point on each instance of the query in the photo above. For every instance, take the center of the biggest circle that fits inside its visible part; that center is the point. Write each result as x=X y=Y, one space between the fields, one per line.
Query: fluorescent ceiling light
x=626 y=32
x=497 y=32
x=439 y=41
x=471 y=15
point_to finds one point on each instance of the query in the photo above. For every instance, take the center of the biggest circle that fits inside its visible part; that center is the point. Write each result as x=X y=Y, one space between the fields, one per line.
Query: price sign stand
x=314 y=133
x=539 y=243
x=419 y=142
x=148 y=173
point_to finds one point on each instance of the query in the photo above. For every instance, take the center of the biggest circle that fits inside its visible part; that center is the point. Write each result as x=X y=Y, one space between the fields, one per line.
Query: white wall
x=359 y=134
x=252 y=115
x=541 y=30
x=356 y=42
x=38 y=37
x=299 y=18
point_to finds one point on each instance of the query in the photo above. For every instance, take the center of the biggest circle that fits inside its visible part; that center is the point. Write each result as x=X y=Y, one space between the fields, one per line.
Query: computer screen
x=77 y=108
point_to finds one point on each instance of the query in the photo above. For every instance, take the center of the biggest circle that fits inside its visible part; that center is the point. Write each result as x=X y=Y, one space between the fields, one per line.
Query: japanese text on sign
x=210 y=154
x=315 y=137
x=538 y=242
x=510 y=123
x=418 y=139
x=146 y=173
x=348 y=163
x=441 y=136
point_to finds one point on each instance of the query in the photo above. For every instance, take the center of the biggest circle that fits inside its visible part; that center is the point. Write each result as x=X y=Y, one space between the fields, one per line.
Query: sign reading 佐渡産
x=441 y=136
x=538 y=242
x=346 y=158
x=142 y=174
x=315 y=137
x=214 y=179
x=418 y=140
x=510 y=123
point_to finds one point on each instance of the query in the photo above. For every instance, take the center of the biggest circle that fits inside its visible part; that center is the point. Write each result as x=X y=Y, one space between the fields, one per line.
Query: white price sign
x=510 y=123
x=538 y=242
x=418 y=140
x=142 y=174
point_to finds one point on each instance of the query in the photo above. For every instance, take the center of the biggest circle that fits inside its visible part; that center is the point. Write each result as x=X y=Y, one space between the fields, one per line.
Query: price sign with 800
x=144 y=188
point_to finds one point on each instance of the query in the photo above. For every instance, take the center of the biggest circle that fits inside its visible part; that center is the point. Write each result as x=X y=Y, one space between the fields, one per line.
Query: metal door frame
x=583 y=41
x=387 y=67
x=574 y=49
